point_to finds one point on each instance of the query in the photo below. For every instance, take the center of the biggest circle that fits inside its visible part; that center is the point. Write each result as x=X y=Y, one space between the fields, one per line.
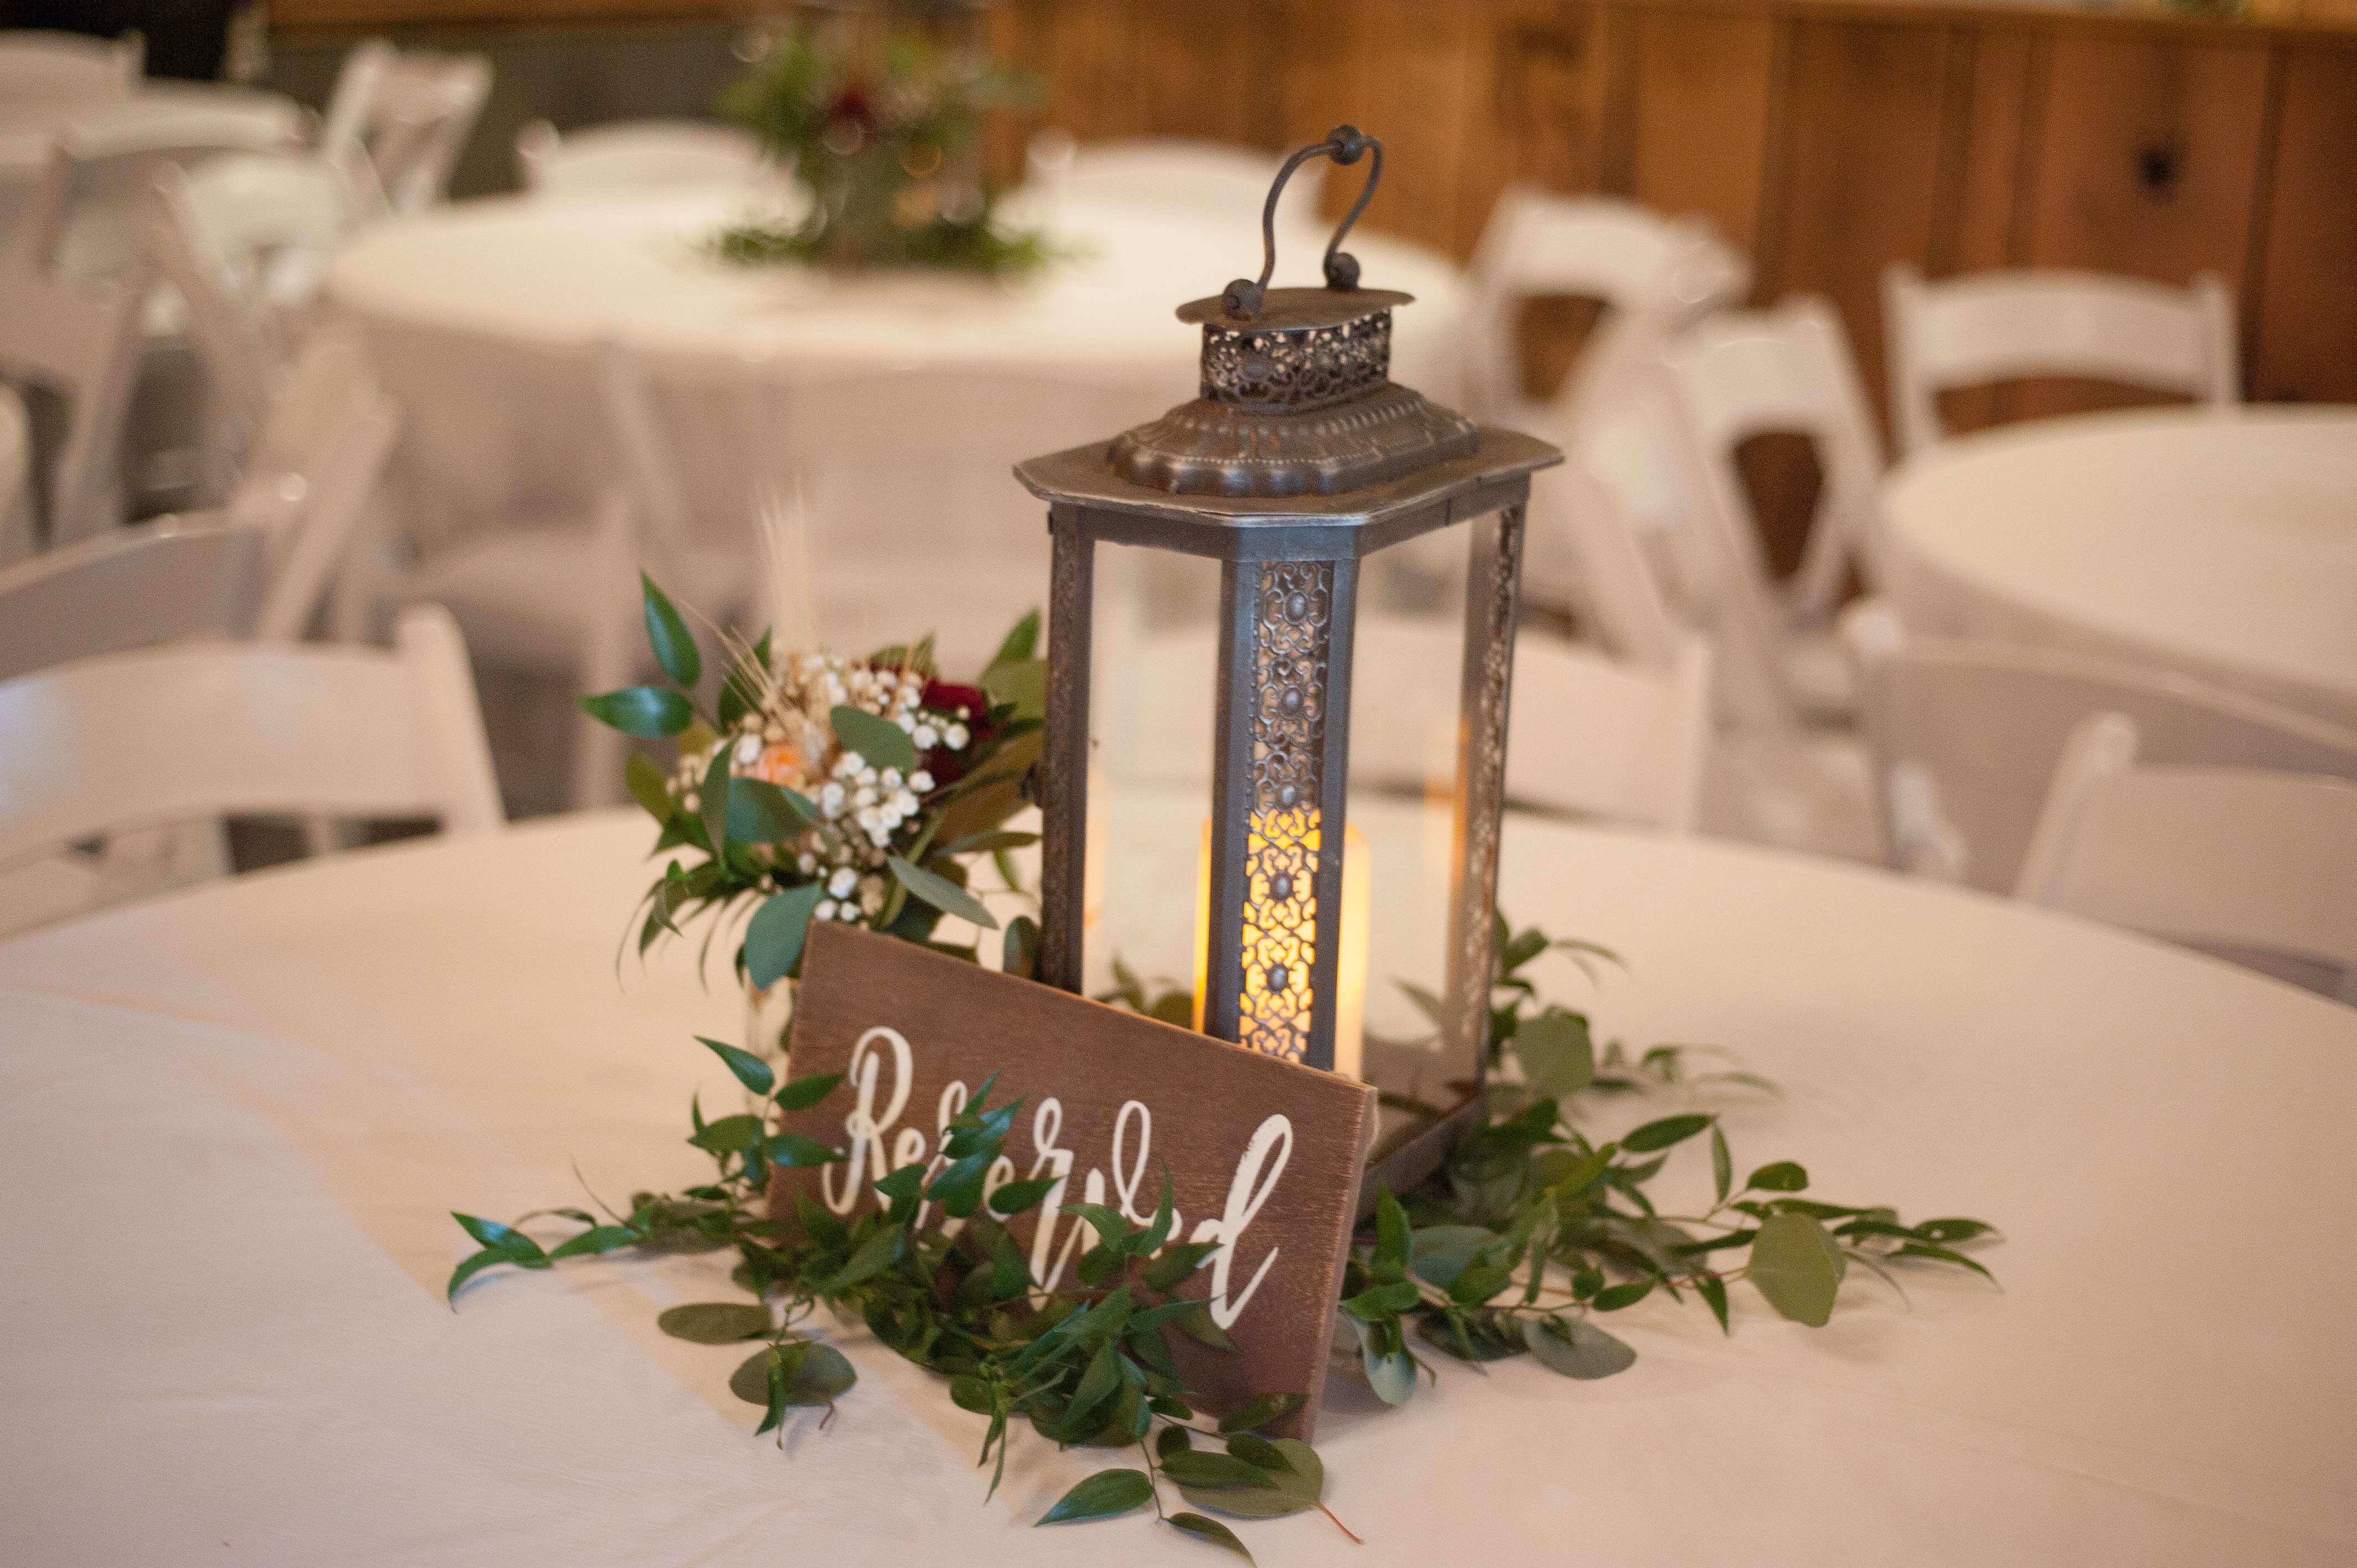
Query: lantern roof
x=1299 y=443
x=1490 y=474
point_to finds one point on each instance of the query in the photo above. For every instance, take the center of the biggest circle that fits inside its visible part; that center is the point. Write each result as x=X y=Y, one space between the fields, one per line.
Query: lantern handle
x=1345 y=145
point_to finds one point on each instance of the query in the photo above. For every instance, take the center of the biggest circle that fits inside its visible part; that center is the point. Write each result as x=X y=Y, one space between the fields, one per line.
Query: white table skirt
x=232 y=1121
x=2217 y=544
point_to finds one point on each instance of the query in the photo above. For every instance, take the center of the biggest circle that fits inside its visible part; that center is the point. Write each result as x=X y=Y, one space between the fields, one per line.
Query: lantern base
x=1407 y=1161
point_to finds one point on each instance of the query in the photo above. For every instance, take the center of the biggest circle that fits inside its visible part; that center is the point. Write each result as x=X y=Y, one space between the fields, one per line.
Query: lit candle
x=1350 y=1005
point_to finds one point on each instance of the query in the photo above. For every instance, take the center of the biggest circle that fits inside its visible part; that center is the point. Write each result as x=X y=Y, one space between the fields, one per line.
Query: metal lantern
x=1299 y=459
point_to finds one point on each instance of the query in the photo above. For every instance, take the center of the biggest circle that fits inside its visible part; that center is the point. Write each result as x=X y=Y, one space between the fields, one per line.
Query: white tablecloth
x=2222 y=545
x=232 y=1121
x=478 y=314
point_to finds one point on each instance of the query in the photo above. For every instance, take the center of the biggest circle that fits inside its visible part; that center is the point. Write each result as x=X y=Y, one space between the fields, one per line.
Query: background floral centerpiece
x=885 y=134
x=818 y=786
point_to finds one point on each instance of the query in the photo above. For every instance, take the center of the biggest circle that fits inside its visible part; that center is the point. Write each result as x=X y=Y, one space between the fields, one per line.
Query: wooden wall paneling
x=2305 y=345
x=1867 y=105
x=2147 y=163
x=1090 y=64
x=1209 y=69
x=1981 y=219
x=1699 y=125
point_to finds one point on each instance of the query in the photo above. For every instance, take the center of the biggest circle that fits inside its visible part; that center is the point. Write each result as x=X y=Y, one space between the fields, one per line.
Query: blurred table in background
x=2218 y=544
x=479 y=317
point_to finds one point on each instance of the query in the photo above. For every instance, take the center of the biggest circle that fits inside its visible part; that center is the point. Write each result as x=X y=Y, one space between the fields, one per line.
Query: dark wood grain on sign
x=1124 y=1098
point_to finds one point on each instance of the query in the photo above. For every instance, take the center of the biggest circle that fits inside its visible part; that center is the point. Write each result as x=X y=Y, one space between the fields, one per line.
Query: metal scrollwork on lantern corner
x=1299 y=457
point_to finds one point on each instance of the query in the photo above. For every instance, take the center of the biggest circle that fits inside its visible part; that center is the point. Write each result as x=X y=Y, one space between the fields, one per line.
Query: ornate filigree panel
x=1293 y=622
x=1297 y=368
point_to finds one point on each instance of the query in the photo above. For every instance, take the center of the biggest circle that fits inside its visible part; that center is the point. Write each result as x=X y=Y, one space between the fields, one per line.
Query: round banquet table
x=232 y=1122
x=477 y=314
x=2218 y=543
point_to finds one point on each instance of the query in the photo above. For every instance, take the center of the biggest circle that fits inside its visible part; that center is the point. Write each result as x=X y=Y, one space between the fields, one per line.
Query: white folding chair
x=638 y=155
x=1741 y=374
x=2246 y=864
x=1964 y=739
x=1594 y=736
x=913 y=521
x=425 y=107
x=36 y=64
x=244 y=241
x=2000 y=326
x=558 y=592
x=1648 y=271
x=141 y=741
x=169 y=580
x=88 y=214
x=19 y=536
x=78 y=344
x=1171 y=174
x=349 y=120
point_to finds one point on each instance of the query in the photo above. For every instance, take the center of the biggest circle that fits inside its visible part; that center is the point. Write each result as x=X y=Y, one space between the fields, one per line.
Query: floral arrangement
x=888 y=149
x=821 y=787
x=847 y=789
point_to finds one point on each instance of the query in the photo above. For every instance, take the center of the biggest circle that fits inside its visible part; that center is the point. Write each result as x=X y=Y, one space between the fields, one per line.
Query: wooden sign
x=1263 y=1155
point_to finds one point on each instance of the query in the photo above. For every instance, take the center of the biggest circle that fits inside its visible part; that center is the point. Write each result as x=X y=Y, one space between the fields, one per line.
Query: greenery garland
x=1531 y=1232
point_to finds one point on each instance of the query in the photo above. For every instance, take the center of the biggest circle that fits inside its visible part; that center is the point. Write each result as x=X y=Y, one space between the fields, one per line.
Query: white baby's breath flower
x=906 y=721
x=922 y=782
x=926 y=736
x=830 y=799
x=692 y=802
x=956 y=738
x=905 y=802
x=825 y=910
x=748 y=750
x=840 y=885
x=871 y=893
x=806 y=863
x=864 y=796
x=890 y=779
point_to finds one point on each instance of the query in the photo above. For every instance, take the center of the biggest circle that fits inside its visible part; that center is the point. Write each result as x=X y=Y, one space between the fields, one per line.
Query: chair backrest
x=18 y=534
x=1592 y=736
x=426 y=105
x=80 y=345
x=2001 y=326
x=88 y=214
x=2233 y=860
x=168 y=580
x=349 y=118
x=310 y=474
x=1171 y=173
x=36 y=64
x=1964 y=739
x=1639 y=263
x=637 y=155
x=137 y=740
x=1581 y=541
x=244 y=238
x=1739 y=374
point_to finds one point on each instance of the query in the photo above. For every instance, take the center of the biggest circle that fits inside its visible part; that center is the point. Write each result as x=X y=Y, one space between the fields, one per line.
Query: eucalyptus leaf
x=1209 y=1529
x=1103 y=1495
x=1663 y=1134
x=649 y=712
x=940 y=893
x=1215 y=1471
x=1783 y=1176
x=878 y=741
x=667 y=635
x=714 y=1323
x=762 y=812
x=747 y=1068
x=774 y=937
x=1256 y=1413
x=1297 y=1485
x=1576 y=1348
x=1797 y=1267
x=801 y=1093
